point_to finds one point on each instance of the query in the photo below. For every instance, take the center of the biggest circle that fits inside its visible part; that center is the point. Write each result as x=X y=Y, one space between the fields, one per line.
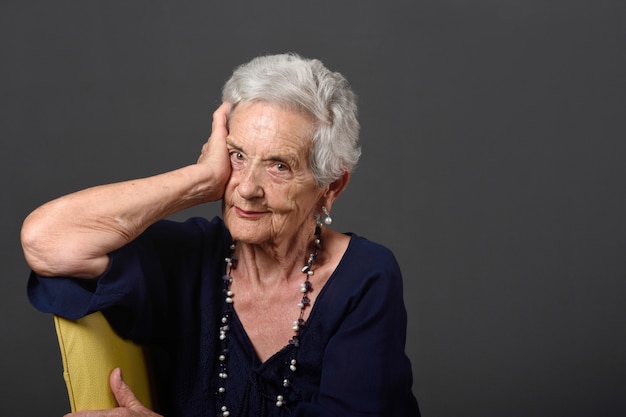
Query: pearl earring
x=327 y=219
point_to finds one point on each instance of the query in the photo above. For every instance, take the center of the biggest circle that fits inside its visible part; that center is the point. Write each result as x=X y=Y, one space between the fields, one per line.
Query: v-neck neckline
x=247 y=344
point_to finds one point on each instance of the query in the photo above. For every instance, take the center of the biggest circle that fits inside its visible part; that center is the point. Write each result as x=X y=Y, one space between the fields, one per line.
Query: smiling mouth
x=247 y=214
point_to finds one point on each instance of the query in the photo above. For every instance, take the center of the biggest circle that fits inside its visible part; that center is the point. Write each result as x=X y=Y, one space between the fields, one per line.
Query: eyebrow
x=288 y=158
x=232 y=144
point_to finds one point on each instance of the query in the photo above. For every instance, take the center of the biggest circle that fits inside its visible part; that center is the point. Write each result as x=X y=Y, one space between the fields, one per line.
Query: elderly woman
x=267 y=312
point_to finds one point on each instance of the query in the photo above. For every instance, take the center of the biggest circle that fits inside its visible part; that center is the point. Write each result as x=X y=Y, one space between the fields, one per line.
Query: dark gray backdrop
x=493 y=166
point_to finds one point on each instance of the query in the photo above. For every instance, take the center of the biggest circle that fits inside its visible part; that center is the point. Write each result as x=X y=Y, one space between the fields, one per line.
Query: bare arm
x=72 y=235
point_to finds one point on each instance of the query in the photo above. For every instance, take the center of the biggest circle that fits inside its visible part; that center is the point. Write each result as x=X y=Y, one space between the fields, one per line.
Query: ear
x=334 y=190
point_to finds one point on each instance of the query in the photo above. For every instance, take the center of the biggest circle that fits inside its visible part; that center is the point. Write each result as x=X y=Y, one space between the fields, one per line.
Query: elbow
x=52 y=253
x=36 y=248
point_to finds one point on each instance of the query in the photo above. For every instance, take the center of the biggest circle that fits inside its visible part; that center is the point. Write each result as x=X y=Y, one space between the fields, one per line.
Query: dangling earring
x=326 y=219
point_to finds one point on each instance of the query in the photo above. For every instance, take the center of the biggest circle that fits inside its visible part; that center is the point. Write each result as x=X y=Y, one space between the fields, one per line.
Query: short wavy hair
x=306 y=85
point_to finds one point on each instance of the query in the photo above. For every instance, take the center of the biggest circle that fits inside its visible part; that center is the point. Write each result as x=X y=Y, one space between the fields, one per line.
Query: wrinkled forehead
x=272 y=116
x=266 y=125
x=289 y=107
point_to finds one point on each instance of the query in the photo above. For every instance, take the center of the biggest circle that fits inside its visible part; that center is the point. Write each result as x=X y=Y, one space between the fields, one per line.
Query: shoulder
x=370 y=254
x=366 y=267
x=193 y=240
x=366 y=285
x=193 y=229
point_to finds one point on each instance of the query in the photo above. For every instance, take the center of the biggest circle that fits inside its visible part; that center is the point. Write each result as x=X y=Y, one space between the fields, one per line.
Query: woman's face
x=271 y=196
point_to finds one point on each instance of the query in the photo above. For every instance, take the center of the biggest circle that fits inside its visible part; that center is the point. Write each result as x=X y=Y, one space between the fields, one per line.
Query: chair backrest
x=90 y=350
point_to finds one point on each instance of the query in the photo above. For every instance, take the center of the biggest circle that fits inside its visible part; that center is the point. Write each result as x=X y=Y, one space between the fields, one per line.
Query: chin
x=247 y=231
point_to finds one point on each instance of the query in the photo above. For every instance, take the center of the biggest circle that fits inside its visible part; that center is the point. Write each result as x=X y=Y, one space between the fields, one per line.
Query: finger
x=220 y=120
x=122 y=392
x=219 y=131
x=113 y=412
x=215 y=147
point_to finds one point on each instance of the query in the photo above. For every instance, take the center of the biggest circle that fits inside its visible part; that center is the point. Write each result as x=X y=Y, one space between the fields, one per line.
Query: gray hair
x=307 y=85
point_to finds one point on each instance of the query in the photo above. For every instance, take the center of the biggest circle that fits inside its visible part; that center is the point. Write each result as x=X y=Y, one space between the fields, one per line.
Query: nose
x=250 y=183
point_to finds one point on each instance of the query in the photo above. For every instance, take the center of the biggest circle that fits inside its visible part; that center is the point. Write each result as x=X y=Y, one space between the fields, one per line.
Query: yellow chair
x=90 y=350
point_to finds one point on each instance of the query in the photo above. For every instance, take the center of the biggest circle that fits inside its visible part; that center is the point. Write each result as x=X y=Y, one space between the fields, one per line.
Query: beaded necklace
x=305 y=288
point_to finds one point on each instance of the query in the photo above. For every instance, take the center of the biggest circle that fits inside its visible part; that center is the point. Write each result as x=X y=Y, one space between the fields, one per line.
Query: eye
x=282 y=167
x=236 y=158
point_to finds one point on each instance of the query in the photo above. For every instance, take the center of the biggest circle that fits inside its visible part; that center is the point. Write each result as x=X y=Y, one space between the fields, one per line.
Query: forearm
x=73 y=235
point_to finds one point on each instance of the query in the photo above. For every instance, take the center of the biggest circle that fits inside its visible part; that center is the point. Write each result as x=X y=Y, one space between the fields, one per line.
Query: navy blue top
x=165 y=289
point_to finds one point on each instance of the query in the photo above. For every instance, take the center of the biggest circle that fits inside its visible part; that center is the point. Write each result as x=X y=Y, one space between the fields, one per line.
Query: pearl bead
x=298 y=325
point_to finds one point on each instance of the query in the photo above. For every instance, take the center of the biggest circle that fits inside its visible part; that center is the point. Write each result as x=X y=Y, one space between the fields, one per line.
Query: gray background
x=493 y=166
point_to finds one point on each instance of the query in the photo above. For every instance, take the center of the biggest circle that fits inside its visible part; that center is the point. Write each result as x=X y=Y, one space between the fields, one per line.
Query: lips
x=248 y=214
